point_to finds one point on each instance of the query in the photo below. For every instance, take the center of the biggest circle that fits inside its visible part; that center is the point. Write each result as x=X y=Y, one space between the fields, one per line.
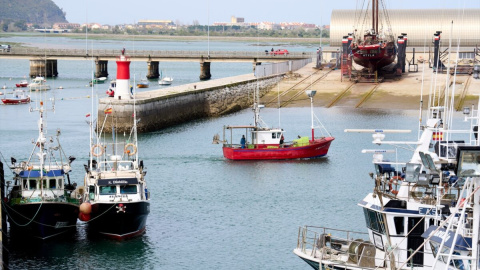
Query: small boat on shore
x=40 y=201
x=264 y=143
x=18 y=97
x=38 y=84
x=23 y=83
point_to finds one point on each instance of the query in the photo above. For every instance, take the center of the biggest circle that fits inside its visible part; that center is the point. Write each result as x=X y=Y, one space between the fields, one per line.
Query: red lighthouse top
x=123 y=67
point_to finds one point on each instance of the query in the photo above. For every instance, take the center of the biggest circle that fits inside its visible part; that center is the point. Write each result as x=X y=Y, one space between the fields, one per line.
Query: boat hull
x=374 y=57
x=119 y=222
x=43 y=220
x=142 y=85
x=314 y=149
x=13 y=101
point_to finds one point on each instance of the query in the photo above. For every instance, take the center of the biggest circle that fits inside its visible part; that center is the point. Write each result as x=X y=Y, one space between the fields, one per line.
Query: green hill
x=41 y=12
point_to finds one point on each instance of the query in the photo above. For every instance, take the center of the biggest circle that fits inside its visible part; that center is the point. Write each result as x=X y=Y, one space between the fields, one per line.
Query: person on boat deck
x=242 y=141
x=281 y=140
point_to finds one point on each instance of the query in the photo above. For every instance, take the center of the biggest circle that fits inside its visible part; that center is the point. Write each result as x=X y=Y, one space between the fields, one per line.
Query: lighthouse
x=122 y=90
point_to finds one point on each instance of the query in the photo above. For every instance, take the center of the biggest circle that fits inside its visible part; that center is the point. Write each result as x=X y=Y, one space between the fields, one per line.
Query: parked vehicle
x=279 y=52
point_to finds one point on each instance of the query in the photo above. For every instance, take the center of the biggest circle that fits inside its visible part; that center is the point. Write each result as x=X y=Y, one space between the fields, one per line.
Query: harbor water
x=206 y=212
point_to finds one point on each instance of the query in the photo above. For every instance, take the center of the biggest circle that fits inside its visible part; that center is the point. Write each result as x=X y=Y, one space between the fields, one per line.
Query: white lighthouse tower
x=122 y=90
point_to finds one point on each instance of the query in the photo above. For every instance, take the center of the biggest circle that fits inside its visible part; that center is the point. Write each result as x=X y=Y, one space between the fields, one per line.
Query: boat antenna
x=448 y=78
x=278 y=95
x=423 y=82
x=91 y=114
x=450 y=119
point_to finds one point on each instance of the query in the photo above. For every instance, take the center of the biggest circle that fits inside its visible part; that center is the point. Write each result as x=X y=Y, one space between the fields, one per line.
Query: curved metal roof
x=419 y=24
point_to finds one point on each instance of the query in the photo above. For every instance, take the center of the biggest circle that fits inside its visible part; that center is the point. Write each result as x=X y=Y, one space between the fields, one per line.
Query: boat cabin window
x=32 y=184
x=374 y=221
x=25 y=184
x=399 y=225
x=91 y=192
x=44 y=183
x=52 y=183
x=129 y=189
x=107 y=190
x=274 y=135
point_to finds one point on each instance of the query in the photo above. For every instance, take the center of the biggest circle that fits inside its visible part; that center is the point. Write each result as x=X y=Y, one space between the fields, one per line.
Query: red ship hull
x=375 y=56
x=316 y=148
x=12 y=101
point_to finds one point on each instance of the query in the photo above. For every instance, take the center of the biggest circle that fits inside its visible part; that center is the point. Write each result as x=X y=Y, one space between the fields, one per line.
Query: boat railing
x=341 y=246
x=315 y=239
x=45 y=195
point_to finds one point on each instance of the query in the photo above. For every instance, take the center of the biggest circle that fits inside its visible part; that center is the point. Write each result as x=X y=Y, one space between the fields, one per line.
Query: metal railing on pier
x=142 y=54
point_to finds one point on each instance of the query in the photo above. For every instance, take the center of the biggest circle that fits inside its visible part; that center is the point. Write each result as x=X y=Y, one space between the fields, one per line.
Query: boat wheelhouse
x=41 y=201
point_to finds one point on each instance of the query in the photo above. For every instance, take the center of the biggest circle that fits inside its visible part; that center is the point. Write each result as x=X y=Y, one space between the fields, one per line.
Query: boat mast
x=375 y=16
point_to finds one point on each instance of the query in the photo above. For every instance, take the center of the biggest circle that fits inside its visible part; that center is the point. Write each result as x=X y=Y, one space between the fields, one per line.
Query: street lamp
x=311 y=94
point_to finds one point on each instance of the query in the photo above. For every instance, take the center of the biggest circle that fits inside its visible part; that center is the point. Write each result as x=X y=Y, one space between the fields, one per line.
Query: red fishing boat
x=263 y=143
x=374 y=50
x=18 y=97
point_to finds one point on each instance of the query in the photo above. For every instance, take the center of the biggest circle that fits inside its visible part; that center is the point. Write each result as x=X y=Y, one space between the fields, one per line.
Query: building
x=268 y=26
x=92 y=25
x=419 y=24
x=66 y=26
x=166 y=24
x=235 y=20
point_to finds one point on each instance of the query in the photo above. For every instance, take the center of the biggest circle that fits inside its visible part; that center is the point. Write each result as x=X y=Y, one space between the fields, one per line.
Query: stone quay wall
x=163 y=111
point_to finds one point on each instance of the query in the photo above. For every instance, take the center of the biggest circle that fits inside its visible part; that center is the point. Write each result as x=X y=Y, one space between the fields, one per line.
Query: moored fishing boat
x=117 y=201
x=423 y=212
x=39 y=203
x=265 y=143
x=18 y=97
x=375 y=49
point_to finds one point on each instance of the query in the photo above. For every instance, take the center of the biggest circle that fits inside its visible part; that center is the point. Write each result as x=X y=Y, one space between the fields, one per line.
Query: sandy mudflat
x=390 y=94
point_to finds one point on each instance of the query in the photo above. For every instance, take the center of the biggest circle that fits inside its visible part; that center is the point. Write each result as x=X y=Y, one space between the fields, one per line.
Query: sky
x=209 y=11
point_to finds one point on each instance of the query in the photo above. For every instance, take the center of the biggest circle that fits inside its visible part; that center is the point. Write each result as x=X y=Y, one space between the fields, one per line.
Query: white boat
x=165 y=81
x=117 y=202
x=38 y=84
x=424 y=212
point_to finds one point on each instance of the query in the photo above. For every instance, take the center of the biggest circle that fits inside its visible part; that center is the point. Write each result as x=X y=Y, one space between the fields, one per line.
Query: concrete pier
x=153 y=72
x=101 y=68
x=165 y=107
x=205 y=71
x=46 y=68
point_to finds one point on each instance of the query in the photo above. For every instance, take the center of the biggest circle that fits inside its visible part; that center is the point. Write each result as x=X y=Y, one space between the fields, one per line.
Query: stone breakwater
x=166 y=107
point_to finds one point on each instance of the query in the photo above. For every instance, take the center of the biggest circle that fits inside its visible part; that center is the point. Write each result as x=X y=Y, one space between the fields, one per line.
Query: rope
x=28 y=223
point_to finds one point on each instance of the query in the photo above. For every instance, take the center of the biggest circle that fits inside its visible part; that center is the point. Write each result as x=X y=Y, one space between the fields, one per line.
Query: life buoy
x=95 y=152
x=133 y=151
